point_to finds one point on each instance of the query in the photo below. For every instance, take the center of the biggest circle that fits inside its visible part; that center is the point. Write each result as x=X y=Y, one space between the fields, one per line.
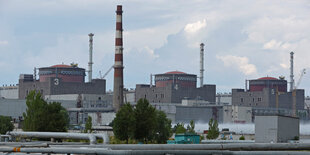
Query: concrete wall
x=198 y=114
x=97 y=86
x=267 y=98
x=12 y=107
x=277 y=129
x=102 y=118
x=9 y=92
x=266 y=129
x=173 y=93
x=237 y=114
x=288 y=128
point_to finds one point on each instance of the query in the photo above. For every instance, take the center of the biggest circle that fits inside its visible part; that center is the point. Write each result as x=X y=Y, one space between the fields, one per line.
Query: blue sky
x=244 y=39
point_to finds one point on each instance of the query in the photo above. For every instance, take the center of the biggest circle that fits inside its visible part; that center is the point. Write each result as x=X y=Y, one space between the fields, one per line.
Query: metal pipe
x=90 y=63
x=228 y=146
x=107 y=151
x=91 y=137
x=292 y=72
x=201 y=63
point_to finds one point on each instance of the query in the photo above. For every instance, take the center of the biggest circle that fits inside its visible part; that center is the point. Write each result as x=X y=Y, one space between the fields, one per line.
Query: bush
x=242 y=138
x=296 y=138
x=5 y=124
x=213 y=132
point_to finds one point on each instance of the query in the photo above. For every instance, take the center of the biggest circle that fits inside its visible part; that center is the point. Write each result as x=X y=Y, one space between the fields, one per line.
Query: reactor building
x=59 y=79
x=173 y=87
x=268 y=92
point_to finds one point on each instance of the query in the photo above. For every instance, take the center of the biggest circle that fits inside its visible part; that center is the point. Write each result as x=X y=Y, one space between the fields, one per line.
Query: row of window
x=259 y=99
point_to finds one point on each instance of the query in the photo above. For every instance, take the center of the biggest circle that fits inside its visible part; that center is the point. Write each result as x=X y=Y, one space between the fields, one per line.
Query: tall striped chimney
x=118 y=99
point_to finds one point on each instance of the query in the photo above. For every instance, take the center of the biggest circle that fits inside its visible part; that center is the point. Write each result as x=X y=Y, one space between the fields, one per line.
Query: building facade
x=268 y=92
x=172 y=87
x=60 y=79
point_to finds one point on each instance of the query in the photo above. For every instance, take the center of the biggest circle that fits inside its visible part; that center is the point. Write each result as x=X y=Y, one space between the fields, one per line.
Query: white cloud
x=285 y=66
x=3 y=42
x=273 y=44
x=242 y=64
x=194 y=27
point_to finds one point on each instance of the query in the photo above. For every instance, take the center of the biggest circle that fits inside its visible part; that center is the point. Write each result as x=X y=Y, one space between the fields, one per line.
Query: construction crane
x=302 y=73
x=105 y=74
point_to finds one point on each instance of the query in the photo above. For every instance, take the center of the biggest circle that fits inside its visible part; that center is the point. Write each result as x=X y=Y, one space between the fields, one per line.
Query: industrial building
x=268 y=92
x=60 y=79
x=276 y=129
x=9 y=92
x=172 y=87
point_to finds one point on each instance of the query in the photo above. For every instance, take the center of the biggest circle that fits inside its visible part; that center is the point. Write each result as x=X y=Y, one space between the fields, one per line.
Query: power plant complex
x=175 y=92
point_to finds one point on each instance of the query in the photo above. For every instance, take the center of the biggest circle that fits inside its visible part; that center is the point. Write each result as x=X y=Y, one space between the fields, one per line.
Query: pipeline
x=62 y=135
x=231 y=147
x=151 y=152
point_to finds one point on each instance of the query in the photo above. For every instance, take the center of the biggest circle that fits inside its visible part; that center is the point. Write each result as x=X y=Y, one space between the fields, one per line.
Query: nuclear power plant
x=176 y=93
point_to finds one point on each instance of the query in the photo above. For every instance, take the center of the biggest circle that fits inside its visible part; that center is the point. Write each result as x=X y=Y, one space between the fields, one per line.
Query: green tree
x=88 y=125
x=124 y=123
x=163 y=127
x=179 y=128
x=191 y=127
x=213 y=129
x=5 y=124
x=41 y=116
x=58 y=118
x=35 y=118
x=145 y=121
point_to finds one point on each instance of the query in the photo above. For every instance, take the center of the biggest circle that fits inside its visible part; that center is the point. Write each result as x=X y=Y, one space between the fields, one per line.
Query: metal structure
x=294 y=92
x=151 y=80
x=292 y=72
x=91 y=137
x=302 y=73
x=90 y=63
x=242 y=148
x=118 y=99
x=201 y=63
x=35 y=74
x=105 y=74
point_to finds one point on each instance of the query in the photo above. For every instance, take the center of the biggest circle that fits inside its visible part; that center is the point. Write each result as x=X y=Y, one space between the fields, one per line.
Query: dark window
x=241 y=99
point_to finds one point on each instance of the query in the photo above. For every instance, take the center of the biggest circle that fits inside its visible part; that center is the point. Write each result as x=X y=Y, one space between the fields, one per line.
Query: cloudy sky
x=244 y=39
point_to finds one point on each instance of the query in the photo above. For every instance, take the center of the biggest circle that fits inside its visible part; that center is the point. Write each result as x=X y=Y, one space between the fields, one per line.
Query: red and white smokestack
x=118 y=99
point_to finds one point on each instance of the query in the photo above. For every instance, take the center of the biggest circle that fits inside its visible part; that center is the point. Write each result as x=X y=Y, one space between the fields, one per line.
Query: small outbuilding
x=276 y=129
x=185 y=138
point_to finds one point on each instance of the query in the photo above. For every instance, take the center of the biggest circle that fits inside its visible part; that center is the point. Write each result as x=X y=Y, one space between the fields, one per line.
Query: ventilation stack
x=292 y=72
x=118 y=98
x=201 y=63
x=90 y=63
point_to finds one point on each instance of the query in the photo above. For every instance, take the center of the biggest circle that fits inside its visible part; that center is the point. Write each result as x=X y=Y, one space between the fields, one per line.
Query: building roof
x=268 y=78
x=61 y=66
x=175 y=72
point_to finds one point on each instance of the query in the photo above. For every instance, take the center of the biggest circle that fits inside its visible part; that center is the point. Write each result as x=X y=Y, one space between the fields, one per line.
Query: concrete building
x=60 y=79
x=268 y=92
x=237 y=114
x=9 y=92
x=276 y=129
x=224 y=98
x=172 y=87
